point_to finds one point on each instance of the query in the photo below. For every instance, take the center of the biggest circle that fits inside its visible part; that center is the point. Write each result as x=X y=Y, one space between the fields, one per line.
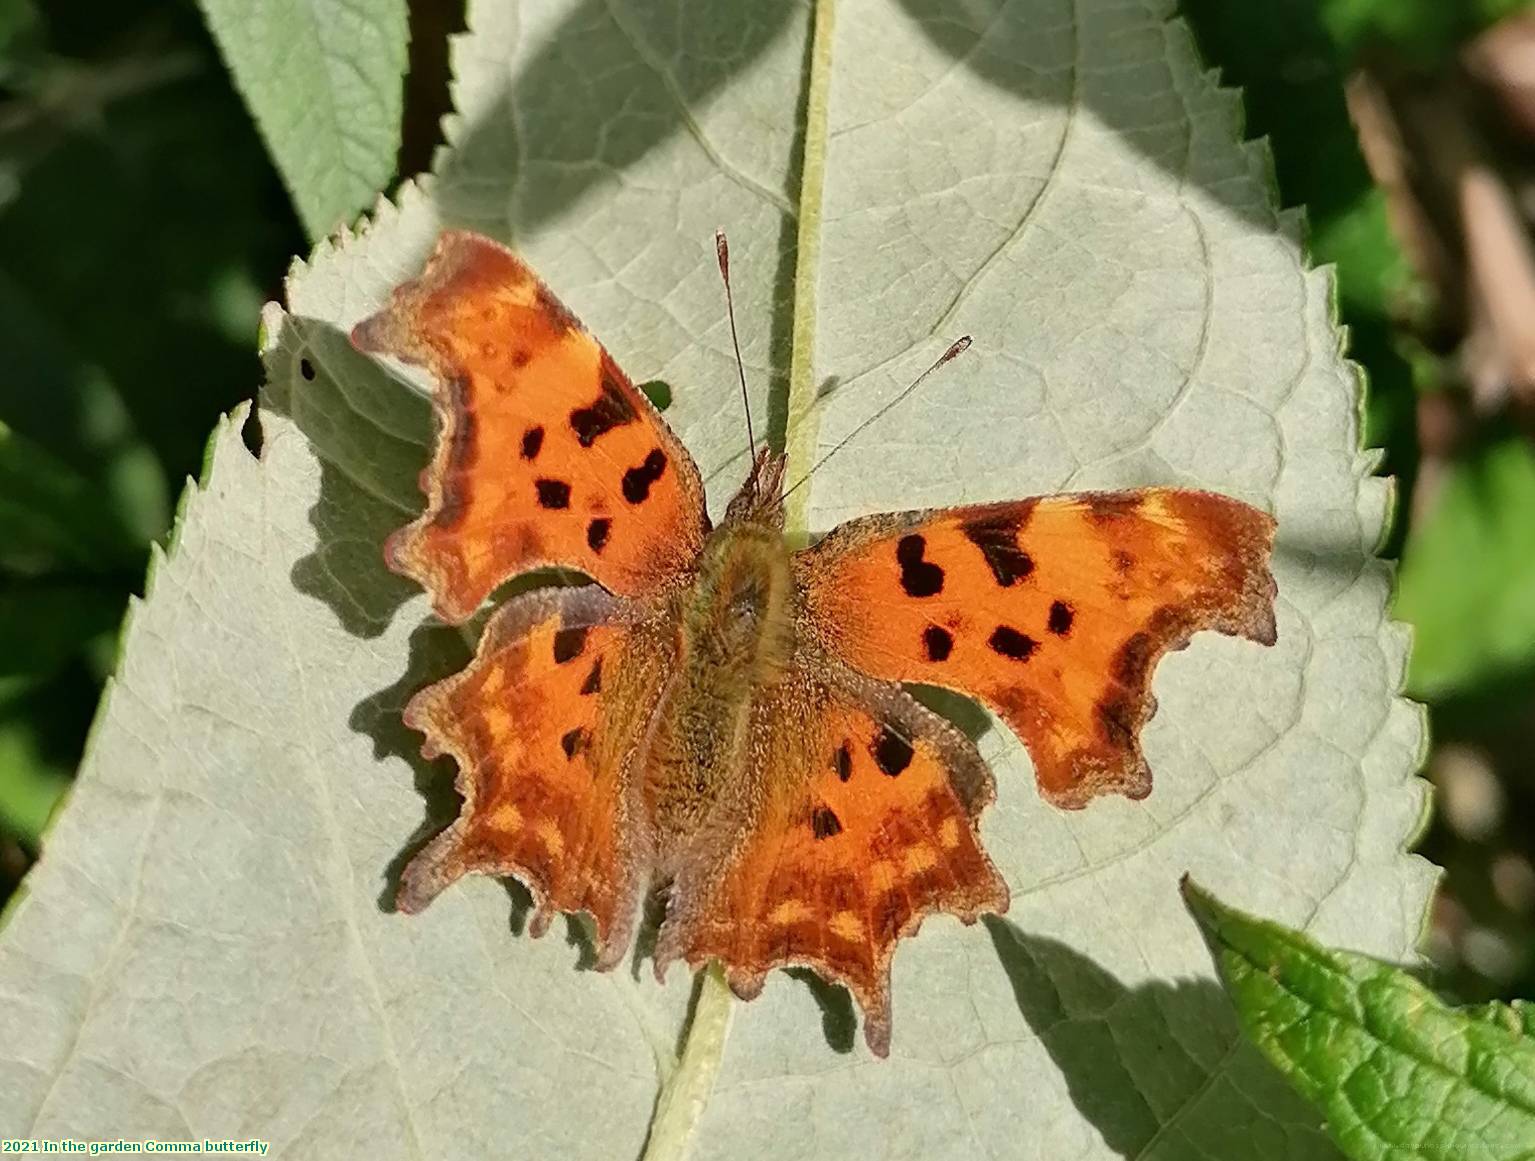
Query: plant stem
x=685 y=1092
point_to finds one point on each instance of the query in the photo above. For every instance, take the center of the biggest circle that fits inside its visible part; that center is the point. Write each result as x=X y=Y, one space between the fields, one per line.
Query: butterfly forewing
x=546 y=454
x=1052 y=611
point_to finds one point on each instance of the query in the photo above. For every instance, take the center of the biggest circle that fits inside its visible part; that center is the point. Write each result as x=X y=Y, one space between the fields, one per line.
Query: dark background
x=142 y=226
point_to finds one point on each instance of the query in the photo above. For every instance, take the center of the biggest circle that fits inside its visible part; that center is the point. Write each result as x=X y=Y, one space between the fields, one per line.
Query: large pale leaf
x=322 y=78
x=206 y=946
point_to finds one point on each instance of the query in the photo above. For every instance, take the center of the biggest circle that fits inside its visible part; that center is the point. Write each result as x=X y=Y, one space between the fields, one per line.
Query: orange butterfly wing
x=537 y=726
x=546 y=455
x=861 y=817
x=1051 y=611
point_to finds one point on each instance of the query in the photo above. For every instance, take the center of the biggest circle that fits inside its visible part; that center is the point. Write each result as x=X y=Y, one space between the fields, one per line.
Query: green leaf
x=323 y=81
x=70 y=456
x=1468 y=573
x=659 y=393
x=1518 y=1017
x=1066 y=185
x=36 y=718
x=1398 y=1074
x=1425 y=29
x=44 y=626
x=52 y=518
x=19 y=30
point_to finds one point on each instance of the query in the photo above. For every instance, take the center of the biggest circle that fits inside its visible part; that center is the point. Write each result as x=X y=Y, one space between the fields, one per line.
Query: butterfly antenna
x=722 y=252
x=959 y=347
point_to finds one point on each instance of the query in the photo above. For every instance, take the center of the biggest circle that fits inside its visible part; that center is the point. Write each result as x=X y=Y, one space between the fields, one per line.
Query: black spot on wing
x=532 y=442
x=892 y=753
x=552 y=493
x=825 y=823
x=937 y=643
x=593 y=682
x=637 y=480
x=1061 y=617
x=1009 y=642
x=573 y=741
x=610 y=409
x=842 y=762
x=919 y=578
x=597 y=533
x=997 y=538
x=568 y=644
x=1123 y=561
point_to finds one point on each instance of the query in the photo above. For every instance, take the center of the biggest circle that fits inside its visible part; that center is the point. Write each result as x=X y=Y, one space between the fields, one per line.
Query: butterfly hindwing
x=546 y=454
x=540 y=726
x=1052 y=611
x=859 y=814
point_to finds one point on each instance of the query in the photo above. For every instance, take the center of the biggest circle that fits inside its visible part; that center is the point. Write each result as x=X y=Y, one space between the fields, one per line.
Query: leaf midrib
x=684 y=1093
x=801 y=424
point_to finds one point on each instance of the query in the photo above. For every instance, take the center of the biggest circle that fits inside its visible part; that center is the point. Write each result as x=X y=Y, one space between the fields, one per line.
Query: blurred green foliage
x=1426 y=31
x=1465 y=588
x=1467 y=581
x=1292 y=71
x=141 y=227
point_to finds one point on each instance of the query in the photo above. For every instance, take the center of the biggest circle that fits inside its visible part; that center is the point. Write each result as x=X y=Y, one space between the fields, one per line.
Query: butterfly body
x=726 y=631
x=724 y=717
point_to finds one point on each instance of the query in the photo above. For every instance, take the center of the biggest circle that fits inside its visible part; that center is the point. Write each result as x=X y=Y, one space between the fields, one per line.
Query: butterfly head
x=760 y=500
x=737 y=621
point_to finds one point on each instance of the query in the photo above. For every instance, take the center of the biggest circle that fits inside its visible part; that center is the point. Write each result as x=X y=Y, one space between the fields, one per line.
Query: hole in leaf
x=659 y=393
x=250 y=433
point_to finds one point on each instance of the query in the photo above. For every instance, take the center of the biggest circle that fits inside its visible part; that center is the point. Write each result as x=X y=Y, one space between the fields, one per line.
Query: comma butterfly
x=725 y=715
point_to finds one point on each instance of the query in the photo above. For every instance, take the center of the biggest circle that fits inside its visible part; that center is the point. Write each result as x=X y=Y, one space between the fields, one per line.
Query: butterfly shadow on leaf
x=839 y=1024
x=1160 y=1069
x=370 y=434
x=435 y=652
